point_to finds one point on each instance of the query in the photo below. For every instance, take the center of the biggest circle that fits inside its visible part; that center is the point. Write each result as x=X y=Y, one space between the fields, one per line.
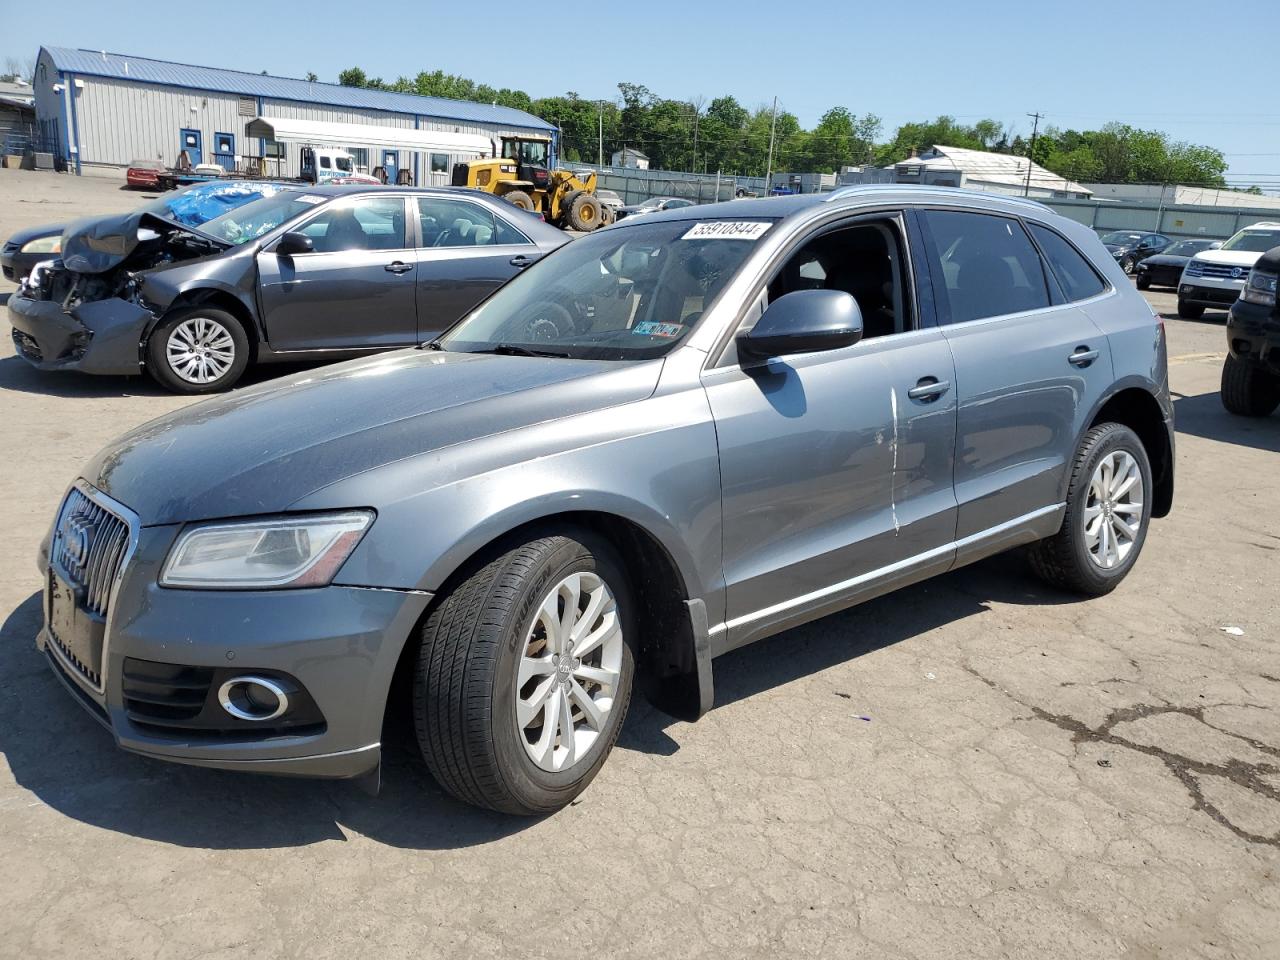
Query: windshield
x=627 y=294
x=653 y=203
x=1253 y=241
x=203 y=202
x=1121 y=237
x=261 y=216
x=1188 y=248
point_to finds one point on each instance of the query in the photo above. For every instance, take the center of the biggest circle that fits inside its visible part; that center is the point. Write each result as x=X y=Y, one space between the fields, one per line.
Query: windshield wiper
x=515 y=350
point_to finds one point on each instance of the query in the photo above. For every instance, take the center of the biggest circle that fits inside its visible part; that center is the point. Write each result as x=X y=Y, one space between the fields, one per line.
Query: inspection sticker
x=727 y=230
x=650 y=328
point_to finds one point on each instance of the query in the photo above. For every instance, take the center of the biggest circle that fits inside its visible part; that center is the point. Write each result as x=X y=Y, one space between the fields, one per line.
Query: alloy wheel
x=200 y=350
x=1112 y=513
x=569 y=672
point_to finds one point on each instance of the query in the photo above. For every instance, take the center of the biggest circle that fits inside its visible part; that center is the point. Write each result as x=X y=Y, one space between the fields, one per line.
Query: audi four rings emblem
x=78 y=535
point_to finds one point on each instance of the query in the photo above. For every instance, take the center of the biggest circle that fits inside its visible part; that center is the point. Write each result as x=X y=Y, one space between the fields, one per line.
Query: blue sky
x=1165 y=65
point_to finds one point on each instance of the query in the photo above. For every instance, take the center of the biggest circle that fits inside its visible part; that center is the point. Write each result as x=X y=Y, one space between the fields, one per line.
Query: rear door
x=356 y=289
x=1030 y=365
x=465 y=252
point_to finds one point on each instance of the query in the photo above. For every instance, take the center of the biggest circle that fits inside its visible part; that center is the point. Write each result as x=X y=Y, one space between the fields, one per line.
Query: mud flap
x=690 y=692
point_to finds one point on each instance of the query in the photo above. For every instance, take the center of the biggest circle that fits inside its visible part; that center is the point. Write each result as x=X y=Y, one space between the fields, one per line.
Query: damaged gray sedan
x=317 y=273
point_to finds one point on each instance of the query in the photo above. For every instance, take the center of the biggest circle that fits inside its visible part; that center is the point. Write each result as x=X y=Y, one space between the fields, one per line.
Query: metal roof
x=990 y=167
x=99 y=63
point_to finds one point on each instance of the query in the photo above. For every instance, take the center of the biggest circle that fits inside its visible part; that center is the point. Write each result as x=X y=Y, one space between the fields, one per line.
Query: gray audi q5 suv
x=668 y=439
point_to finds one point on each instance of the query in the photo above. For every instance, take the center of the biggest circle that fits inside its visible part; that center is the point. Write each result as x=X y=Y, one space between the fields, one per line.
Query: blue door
x=390 y=162
x=224 y=150
x=190 y=141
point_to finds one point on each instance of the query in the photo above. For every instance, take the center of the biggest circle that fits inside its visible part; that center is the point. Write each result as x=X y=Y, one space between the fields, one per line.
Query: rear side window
x=1079 y=281
x=988 y=265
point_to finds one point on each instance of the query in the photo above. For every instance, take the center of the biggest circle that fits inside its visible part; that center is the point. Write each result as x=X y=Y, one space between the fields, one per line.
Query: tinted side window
x=370 y=223
x=454 y=223
x=505 y=233
x=987 y=264
x=1079 y=280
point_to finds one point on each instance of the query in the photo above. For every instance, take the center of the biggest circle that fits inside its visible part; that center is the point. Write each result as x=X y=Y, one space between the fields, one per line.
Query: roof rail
x=860 y=189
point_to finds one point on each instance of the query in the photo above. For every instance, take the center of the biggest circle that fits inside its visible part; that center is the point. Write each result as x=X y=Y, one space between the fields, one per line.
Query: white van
x=1214 y=278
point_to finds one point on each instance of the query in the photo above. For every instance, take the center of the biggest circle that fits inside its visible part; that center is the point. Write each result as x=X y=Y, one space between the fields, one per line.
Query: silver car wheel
x=1113 y=511
x=569 y=671
x=200 y=350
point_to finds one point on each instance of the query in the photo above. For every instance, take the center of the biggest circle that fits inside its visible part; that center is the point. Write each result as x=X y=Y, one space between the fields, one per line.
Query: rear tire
x=1077 y=558
x=1189 y=311
x=1144 y=283
x=198 y=350
x=584 y=212
x=518 y=198
x=497 y=666
x=1248 y=390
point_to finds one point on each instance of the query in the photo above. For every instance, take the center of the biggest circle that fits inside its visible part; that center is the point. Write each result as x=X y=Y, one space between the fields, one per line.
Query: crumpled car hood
x=99 y=244
x=263 y=448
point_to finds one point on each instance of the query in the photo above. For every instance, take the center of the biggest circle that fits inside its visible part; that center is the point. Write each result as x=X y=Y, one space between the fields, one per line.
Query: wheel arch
x=1134 y=405
x=224 y=299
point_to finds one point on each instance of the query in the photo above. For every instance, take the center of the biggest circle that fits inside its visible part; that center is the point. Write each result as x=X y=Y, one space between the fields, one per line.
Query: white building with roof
x=944 y=166
x=99 y=111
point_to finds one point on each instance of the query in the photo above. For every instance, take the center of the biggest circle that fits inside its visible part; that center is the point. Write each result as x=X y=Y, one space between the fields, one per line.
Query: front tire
x=198 y=350
x=1129 y=265
x=524 y=675
x=1189 y=311
x=1248 y=390
x=584 y=212
x=1144 y=282
x=1108 y=511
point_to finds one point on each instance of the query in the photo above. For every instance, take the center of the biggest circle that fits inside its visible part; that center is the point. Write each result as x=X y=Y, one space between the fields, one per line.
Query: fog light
x=253 y=698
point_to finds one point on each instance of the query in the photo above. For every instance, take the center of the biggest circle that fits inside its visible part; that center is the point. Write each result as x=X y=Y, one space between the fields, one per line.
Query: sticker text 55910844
x=727 y=230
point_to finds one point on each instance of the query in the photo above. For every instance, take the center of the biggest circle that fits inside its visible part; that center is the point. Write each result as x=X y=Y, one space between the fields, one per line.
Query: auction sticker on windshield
x=651 y=328
x=727 y=230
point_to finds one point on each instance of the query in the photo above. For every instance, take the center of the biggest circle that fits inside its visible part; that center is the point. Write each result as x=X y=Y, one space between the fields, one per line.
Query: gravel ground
x=973 y=767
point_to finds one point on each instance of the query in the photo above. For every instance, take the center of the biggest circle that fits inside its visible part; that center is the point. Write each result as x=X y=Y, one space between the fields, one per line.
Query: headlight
x=43 y=245
x=1260 y=288
x=302 y=551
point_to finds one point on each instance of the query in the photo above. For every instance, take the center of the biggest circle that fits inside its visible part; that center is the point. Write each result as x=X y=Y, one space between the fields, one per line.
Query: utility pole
x=1035 y=128
x=768 y=166
x=600 y=147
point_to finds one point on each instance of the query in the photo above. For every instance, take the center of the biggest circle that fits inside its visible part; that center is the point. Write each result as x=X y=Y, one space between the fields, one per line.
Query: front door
x=836 y=466
x=354 y=291
x=1030 y=365
x=224 y=150
x=466 y=253
x=390 y=163
x=191 y=142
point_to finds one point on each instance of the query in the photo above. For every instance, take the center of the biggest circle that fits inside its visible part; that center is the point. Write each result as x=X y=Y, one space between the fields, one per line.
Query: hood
x=1118 y=247
x=99 y=244
x=265 y=447
x=1232 y=258
x=21 y=237
x=1164 y=260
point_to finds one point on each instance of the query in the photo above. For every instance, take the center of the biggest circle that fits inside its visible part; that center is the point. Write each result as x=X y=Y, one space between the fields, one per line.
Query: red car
x=144 y=173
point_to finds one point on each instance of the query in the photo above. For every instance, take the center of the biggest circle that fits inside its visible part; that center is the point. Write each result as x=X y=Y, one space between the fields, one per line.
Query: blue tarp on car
x=201 y=203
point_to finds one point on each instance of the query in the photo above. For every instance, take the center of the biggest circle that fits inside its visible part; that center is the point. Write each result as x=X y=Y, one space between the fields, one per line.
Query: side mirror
x=804 y=321
x=292 y=243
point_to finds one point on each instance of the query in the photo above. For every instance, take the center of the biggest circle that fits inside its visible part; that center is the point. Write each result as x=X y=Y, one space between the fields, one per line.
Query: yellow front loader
x=521 y=177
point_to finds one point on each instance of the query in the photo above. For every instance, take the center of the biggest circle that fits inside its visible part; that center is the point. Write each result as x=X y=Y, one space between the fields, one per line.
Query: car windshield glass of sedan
x=1253 y=241
x=1121 y=236
x=1187 y=248
x=630 y=293
x=261 y=216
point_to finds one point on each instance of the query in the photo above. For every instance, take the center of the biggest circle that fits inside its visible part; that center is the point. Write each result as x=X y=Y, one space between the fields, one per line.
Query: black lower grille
x=176 y=700
x=27 y=347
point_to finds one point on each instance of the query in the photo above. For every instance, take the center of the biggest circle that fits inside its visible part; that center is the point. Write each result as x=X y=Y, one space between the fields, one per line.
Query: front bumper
x=102 y=336
x=1159 y=275
x=1253 y=335
x=1213 y=295
x=340 y=643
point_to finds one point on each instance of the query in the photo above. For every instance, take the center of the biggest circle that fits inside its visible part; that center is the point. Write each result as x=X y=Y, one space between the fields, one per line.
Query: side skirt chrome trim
x=888 y=571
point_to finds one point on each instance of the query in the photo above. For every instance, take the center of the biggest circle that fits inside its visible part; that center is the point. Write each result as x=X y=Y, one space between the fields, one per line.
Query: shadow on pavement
x=1204 y=416
x=62 y=756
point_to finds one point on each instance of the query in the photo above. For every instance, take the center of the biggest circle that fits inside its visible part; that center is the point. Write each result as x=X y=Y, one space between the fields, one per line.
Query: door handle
x=928 y=388
x=520 y=260
x=398 y=266
x=1082 y=357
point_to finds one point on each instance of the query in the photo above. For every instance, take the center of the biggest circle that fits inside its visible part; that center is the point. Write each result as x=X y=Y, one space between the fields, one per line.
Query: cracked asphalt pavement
x=977 y=766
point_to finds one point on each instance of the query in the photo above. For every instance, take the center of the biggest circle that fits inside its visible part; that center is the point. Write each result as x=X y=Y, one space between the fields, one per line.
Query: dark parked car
x=671 y=438
x=332 y=271
x=1165 y=269
x=192 y=206
x=1251 y=374
x=652 y=205
x=1129 y=247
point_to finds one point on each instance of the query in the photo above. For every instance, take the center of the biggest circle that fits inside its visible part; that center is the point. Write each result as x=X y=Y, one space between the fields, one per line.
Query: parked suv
x=668 y=439
x=315 y=273
x=1251 y=374
x=1215 y=278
